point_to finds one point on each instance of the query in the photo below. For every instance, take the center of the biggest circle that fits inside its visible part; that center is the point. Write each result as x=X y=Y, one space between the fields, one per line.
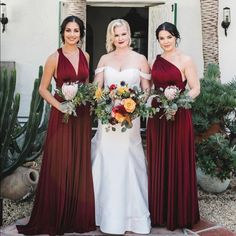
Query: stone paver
x=203 y=228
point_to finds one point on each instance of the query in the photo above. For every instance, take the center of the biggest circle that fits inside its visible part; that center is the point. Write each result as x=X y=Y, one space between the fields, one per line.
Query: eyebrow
x=73 y=28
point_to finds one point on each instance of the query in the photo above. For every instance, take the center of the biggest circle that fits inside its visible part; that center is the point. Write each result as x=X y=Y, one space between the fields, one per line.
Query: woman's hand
x=68 y=108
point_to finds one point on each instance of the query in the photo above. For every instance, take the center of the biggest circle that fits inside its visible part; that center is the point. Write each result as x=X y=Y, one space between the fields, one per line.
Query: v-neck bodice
x=66 y=72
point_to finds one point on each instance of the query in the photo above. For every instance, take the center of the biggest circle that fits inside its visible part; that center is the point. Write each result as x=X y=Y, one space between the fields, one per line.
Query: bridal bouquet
x=74 y=94
x=119 y=104
x=170 y=99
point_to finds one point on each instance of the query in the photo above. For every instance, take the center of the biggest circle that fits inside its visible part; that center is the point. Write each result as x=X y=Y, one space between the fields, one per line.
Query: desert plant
x=20 y=144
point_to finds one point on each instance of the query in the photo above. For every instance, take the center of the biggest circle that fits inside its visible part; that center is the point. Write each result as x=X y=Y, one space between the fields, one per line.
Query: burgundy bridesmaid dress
x=64 y=201
x=173 y=199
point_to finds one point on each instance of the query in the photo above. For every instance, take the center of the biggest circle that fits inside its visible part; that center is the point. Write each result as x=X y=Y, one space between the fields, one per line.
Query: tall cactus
x=20 y=144
x=9 y=107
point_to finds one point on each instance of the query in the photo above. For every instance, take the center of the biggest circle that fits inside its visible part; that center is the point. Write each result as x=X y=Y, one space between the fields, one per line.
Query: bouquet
x=170 y=99
x=119 y=104
x=74 y=94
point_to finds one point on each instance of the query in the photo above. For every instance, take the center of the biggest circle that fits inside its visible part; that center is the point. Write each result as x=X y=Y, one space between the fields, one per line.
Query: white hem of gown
x=138 y=226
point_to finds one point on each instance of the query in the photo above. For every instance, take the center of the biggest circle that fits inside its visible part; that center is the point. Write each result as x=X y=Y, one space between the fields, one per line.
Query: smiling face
x=166 y=40
x=121 y=37
x=72 y=33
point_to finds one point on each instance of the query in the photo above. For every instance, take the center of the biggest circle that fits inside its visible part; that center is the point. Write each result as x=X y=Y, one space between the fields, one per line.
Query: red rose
x=119 y=108
x=112 y=87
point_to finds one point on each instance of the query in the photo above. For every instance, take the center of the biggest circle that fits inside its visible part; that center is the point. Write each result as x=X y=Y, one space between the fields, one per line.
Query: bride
x=118 y=161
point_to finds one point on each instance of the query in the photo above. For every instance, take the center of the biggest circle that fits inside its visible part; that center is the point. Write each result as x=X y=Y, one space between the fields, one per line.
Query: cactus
x=20 y=144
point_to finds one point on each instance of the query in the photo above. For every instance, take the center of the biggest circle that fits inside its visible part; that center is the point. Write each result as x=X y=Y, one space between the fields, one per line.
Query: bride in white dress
x=118 y=160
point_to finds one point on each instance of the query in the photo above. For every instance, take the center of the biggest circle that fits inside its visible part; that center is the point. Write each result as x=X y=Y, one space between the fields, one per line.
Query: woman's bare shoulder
x=185 y=58
x=53 y=58
x=106 y=58
x=86 y=55
x=139 y=56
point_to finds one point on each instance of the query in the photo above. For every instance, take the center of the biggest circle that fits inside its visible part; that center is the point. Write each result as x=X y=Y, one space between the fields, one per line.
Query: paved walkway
x=203 y=228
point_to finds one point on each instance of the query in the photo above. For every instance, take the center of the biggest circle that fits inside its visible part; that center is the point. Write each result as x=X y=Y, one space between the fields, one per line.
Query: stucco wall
x=227 y=45
x=189 y=26
x=32 y=34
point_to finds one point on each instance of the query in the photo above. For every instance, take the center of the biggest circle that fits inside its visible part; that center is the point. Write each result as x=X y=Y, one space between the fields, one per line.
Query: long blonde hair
x=110 y=33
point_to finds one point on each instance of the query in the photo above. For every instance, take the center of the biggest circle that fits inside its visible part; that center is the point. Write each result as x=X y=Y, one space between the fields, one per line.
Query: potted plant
x=216 y=162
x=213 y=105
x=214 y=120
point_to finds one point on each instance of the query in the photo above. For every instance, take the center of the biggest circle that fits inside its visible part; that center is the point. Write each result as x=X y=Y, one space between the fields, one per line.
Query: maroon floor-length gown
x=173 y=200
x=64 y=199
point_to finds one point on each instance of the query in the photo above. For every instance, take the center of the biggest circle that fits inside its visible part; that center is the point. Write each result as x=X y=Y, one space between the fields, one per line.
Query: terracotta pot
x=215 y=128
x=211 y=184
x=20 y=184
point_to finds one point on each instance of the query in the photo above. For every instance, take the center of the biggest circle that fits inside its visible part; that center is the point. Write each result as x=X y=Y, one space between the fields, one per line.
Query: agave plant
x=20 y=144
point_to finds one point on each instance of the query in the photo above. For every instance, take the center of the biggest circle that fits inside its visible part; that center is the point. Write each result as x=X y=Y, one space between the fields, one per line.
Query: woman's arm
x=151 y=81
x=98 y=79
x=190 y=73
x=87 y=59
x=49 y=70
x=144 y=67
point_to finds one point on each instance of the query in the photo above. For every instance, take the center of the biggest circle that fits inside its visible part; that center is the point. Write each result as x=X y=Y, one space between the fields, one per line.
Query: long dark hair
x=167 y=26
x=72 y=19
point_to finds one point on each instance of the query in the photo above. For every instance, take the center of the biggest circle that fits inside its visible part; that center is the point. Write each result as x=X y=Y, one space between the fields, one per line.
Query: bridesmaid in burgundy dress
x=64 y=201
x=173 y=200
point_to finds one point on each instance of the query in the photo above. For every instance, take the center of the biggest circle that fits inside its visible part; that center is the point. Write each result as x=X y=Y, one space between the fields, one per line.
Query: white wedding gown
x=119 y=170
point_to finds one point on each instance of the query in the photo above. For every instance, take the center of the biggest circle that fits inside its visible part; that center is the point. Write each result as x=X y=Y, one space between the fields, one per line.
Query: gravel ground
x=218 y=208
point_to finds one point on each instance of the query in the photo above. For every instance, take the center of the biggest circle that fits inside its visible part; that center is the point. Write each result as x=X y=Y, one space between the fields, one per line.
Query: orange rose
x=129 y=105
x=119 y=117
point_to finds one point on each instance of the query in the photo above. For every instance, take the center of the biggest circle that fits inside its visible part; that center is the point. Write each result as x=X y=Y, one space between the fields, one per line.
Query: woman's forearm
x=49 y=98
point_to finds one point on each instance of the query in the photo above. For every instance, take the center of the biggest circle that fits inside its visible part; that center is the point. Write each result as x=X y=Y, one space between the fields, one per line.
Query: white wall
x=189 y=26
x=227 y=45
x=31 y=35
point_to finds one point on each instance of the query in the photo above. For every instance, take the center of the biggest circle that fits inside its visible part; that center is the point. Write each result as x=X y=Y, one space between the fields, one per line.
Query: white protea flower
x=69 y=90
x=171 y=92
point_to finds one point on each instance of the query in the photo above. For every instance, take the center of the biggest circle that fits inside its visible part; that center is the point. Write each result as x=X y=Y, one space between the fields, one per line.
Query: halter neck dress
x=64 y=201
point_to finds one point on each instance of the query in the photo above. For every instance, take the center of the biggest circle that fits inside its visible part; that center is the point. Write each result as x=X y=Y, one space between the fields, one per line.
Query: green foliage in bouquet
x=19 y=144
x=84 y=94
x=75 y=94
x=171 y=99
